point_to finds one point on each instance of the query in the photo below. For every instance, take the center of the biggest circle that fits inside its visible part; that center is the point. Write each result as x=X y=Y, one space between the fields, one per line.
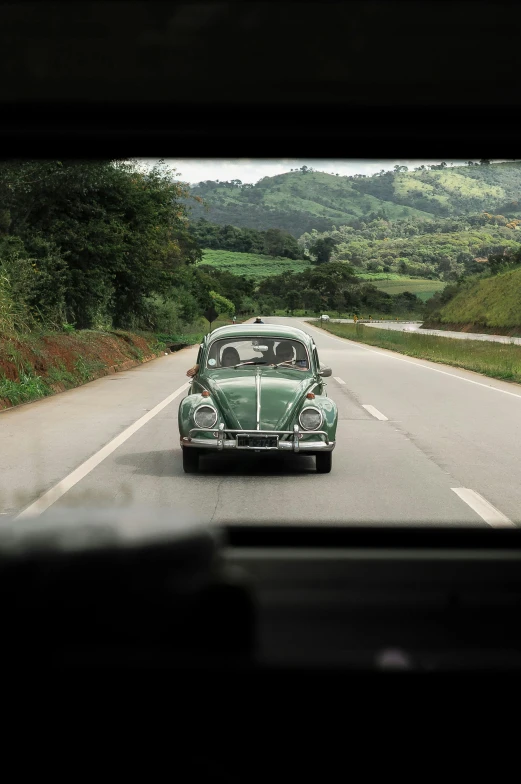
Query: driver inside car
x=230 y=357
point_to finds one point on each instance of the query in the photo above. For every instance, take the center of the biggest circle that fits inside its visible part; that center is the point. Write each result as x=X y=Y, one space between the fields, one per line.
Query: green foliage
x=322 y=249
x=300 y=201
x=29 y=387
x=253 y=266
x=332 y=286
x=94 y=238
x=221 y=304
x=273 y=242
x=502 y=262
x=489 y=302
x=445 y=248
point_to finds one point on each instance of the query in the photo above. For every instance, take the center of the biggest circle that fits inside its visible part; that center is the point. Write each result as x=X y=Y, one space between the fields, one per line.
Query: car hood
x=280 y=395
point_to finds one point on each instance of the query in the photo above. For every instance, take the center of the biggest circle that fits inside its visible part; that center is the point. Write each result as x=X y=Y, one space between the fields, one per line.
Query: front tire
x=324 y=461
x=190 y=459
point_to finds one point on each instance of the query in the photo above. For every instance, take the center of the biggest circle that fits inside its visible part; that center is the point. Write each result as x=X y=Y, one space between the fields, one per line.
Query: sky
x=252 y=170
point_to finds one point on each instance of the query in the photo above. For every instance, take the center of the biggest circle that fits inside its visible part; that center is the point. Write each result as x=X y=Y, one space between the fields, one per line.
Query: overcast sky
x=252 y=170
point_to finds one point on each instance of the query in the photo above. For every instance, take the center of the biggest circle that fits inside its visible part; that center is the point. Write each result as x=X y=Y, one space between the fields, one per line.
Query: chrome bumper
x=294 y=445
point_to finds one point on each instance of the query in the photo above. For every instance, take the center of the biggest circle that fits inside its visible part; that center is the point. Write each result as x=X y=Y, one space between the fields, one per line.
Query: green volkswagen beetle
x=258 y=388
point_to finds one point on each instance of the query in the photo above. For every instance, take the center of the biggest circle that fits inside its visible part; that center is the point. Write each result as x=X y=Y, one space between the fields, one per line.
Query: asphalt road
x=443 y=333
x=417 y=443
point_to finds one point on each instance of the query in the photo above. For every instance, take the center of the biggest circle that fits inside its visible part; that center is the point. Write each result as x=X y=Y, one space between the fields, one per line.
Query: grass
x=491 y=302
x=497 y=360
x=333 y=314
x=60 y=375
x=257 y=267
x=252 y=265
x=194 y=333
x=397 y=284
x=30 y=387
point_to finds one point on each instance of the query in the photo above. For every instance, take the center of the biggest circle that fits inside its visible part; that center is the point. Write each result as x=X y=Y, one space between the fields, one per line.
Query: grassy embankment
x=36 y=365
x=497 y=360
x=487 y=305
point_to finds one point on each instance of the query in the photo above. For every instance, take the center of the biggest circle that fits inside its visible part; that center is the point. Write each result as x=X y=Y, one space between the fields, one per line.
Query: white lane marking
x=374 y=411
x=55 y=493
x=483 y=508
x=339 y=380
x=420 y=365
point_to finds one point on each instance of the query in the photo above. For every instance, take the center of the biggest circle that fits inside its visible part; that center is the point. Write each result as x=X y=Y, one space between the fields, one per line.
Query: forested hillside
x=302 y=200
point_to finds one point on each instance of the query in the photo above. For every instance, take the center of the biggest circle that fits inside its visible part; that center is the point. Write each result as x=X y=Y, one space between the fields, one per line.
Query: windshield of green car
x=233 y=352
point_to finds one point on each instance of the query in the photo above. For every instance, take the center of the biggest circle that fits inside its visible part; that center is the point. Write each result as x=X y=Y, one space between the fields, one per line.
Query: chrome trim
x=311 y=429
x=206 y=405
x=294 y=444
x=284 y=446
x=220 y=441
x=258 y=390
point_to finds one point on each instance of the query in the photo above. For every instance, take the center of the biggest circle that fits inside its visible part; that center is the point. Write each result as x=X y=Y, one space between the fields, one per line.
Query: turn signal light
x=205 y=393
x=310 y=396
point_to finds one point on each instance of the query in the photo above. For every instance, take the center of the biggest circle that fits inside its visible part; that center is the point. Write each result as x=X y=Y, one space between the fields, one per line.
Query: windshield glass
x=383 y=380
x=229 y=352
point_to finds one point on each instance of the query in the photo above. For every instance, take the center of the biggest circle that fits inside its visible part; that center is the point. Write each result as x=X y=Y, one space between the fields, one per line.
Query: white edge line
x=55 y=493
x=418 y=363
x=374 y=411
x=483 y=508
x=339 y=380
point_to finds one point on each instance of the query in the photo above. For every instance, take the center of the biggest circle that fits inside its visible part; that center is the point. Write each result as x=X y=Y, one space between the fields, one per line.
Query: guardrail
x=368 y=321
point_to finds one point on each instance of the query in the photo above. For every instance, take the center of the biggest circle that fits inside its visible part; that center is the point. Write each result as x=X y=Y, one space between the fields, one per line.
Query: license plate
x=257 y=442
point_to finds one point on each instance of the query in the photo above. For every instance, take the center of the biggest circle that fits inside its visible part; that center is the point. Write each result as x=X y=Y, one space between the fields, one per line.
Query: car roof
x=256 y=330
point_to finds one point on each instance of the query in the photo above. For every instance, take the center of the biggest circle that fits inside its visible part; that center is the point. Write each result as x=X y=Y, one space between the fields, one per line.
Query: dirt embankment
x=480 y=329
x=36 y=366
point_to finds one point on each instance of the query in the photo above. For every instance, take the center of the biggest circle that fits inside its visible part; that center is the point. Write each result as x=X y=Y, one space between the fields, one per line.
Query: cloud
x=251 y=170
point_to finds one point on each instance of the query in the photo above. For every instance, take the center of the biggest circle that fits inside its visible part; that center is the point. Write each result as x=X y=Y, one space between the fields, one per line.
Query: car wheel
x=324 y=461
x=190 y=460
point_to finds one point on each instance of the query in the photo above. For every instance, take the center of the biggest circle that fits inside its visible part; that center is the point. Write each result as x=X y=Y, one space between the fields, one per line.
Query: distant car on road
x=258 y=388
x=324 y=317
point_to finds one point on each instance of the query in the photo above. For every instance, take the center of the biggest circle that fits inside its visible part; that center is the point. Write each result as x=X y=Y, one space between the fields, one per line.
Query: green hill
x=490 y=303
x=258 y=267
x=303 y=200
x=252 y=265
x=443 y=248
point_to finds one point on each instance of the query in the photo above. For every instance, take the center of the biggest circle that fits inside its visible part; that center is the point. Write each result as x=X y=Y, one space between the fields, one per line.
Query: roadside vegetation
x=497 y=360
x=90 y=249
x=488 y=302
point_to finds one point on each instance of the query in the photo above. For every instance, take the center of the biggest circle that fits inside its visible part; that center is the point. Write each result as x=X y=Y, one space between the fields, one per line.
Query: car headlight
x=205 y=416
x=310 y=418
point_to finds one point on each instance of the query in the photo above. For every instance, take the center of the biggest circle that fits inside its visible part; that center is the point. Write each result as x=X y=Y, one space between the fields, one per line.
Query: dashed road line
x=374 y=411
x=55 y=493
x=483 y=508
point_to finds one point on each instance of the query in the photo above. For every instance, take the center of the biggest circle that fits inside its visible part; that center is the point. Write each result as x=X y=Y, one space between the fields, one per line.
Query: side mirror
x=325 y=372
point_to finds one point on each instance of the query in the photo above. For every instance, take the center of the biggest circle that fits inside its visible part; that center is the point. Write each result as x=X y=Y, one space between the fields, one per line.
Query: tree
x=113 y=233
x=322 y=249
x=222 y=304
x=293 y=299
